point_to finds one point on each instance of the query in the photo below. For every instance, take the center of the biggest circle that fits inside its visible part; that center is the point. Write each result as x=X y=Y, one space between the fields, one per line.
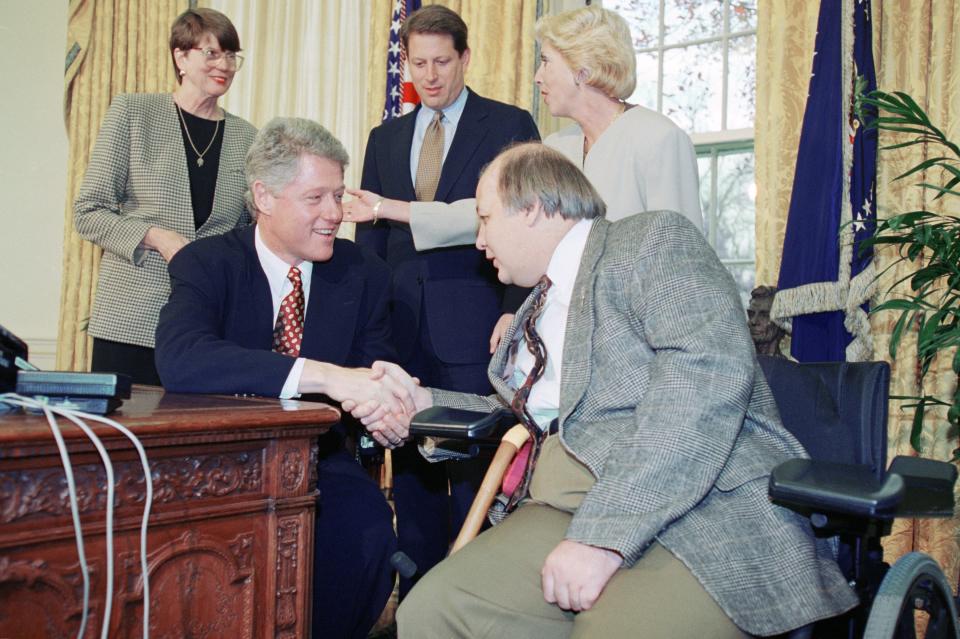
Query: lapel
x=179 y=213
x=399 y=154
x=332 y=312
x=471 y=131
x=257 y=287
x=232 y=157
x=578 y=340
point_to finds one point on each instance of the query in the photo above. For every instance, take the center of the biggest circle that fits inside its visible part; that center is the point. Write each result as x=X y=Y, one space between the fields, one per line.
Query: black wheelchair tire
x=912 y=575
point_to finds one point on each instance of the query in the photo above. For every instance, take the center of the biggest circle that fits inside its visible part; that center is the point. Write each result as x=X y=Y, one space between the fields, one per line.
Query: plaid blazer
x=663 y=400
x=137 y=178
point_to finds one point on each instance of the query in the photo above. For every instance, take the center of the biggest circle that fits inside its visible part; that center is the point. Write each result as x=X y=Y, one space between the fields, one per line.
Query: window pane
x=744 y=275
x=736 y=196
x=742 y=101
x=643 y=16
x=646 y=92
x=704 y=164
x=693 y=86
x=685 y=20
x=743 y=15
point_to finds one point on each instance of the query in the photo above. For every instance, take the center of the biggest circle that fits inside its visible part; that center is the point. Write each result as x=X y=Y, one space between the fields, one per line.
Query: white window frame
x=709 y=144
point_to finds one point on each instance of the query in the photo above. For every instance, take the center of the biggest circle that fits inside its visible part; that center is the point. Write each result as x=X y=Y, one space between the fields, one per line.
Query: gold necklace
x=193 y=146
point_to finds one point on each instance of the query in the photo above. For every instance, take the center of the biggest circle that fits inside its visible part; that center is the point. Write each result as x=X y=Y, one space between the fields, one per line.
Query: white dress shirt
x=276 y=271
x=543 y=402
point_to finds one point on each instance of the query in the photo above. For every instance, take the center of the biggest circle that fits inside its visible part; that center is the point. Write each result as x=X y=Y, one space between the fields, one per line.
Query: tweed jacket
x=663 y=400
x=137 y=178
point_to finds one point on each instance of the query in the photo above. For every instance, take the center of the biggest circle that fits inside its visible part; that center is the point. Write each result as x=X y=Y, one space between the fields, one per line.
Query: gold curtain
x=501 y=45
x=113 y=46
x=786 y=31
x=917 y=52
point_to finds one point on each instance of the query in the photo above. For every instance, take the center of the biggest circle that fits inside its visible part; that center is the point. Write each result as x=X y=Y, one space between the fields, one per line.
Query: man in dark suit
x=281 y=309
x=445 y=302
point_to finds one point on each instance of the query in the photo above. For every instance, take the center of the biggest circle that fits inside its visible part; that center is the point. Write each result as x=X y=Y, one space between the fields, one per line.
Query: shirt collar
x=565 y=261
x=451 y=113
x=275 y=268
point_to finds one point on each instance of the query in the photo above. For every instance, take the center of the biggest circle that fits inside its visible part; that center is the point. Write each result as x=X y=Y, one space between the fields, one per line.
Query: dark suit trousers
x=432 y=500
x=352 y=576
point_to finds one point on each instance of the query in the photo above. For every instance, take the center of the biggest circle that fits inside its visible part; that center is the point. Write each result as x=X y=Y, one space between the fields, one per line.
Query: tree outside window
x=696 y=64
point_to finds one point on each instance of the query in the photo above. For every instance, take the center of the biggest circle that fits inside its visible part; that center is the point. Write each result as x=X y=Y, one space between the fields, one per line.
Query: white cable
x=147 y=506
x=108 y=602
x=76 y=416
x=74 y=510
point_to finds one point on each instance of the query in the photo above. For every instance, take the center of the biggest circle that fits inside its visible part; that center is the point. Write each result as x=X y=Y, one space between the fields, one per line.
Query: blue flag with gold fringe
x=825 y=280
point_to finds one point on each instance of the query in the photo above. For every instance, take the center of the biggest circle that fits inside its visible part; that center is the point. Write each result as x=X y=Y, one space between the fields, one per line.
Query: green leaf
x=922 y=166
x=897 y=305
x=939 y=189
x=916 y=430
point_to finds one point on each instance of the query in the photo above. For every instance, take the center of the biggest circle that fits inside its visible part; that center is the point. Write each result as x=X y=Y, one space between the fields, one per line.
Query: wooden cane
x=506 y=451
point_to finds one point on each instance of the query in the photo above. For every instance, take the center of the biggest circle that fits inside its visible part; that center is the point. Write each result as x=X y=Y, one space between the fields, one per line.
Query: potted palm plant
x=928 y=241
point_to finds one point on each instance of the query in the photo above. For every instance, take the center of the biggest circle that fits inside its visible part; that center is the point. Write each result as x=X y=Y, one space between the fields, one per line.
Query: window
x=696 y=63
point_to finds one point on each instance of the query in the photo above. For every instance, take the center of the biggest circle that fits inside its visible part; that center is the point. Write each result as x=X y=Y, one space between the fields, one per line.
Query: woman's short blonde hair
x=598 y=41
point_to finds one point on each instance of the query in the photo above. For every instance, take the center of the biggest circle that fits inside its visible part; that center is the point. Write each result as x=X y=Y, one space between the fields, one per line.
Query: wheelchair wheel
x=914 y=583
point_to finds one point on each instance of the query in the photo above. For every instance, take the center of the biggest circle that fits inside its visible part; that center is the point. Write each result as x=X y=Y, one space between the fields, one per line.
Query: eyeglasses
x=213 y=57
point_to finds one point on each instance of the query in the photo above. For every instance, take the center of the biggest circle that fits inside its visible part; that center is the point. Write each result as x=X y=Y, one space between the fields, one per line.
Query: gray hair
x=274 y=157
x=532 y=172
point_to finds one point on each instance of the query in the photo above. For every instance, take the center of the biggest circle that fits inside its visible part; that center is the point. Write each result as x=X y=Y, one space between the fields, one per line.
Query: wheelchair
x=838 y=411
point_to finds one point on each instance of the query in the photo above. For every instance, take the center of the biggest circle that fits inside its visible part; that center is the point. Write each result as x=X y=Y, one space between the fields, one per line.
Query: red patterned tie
x=288 y=331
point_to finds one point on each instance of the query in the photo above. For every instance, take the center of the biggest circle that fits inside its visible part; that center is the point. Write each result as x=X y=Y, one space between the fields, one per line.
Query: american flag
x=401 y=96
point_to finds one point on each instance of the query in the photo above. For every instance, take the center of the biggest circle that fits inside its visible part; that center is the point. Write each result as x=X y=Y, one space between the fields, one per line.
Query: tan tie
x=431 y=160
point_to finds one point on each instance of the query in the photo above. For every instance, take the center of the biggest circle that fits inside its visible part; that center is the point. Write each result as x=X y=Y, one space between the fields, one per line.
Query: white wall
x=33 y=167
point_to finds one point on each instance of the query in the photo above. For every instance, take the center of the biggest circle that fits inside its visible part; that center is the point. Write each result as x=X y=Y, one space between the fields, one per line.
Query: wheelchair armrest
x=808 y=486
x=455 y=423
x=929 y=486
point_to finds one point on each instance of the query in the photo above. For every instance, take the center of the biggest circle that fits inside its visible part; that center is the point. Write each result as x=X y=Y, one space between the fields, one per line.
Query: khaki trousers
x=491 y=588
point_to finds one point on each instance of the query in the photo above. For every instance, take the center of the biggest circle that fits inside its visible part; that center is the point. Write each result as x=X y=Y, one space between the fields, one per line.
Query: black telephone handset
x=13 y=357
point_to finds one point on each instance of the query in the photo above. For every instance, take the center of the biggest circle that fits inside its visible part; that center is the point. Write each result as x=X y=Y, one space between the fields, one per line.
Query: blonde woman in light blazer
x=166 y=169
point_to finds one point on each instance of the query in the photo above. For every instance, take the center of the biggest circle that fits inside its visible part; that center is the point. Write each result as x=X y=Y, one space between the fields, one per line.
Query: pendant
x=199 y=161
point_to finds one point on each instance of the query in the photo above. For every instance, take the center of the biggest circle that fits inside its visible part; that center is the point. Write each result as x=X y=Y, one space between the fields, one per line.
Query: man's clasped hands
x=384 y=398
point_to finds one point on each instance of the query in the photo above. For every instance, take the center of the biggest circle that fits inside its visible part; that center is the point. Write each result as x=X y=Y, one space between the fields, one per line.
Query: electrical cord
x=78 y=417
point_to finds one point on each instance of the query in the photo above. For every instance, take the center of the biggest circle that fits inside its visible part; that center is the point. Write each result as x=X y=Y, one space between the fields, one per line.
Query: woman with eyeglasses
x=166 y=169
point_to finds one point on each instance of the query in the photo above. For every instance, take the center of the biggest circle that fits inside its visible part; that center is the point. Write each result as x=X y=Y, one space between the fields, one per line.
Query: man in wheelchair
x=642 y=506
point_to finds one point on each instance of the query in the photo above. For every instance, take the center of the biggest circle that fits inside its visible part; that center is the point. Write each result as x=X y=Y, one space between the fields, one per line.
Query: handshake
x=383 y=397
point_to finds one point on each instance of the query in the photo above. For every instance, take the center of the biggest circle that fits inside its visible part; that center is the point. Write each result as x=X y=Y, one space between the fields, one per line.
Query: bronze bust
x=766 y=334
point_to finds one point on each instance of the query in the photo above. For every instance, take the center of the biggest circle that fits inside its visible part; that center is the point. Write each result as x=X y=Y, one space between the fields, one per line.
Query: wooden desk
x=231 y=533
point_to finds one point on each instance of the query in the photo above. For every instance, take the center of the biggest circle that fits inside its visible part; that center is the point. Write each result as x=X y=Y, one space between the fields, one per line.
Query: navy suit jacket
x=215 y=334
x=456 y=287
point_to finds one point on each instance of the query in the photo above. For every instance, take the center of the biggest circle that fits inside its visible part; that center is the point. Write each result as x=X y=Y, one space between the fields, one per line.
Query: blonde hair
x=598 y=41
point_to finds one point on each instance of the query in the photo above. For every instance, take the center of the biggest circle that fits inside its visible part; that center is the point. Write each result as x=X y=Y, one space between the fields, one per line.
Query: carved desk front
x=230 y=542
